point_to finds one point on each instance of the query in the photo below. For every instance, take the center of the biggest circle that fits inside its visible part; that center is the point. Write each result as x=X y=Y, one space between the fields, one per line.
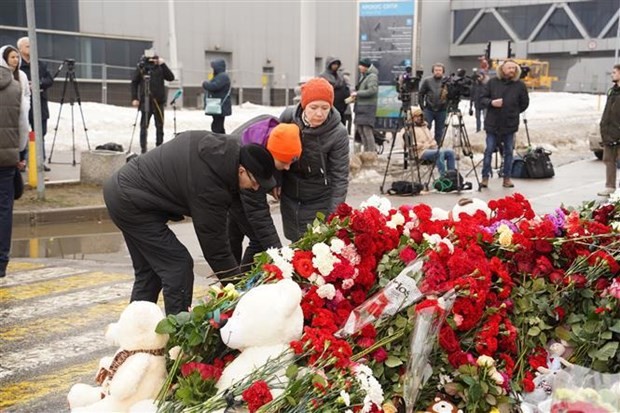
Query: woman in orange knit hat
x=319 y=180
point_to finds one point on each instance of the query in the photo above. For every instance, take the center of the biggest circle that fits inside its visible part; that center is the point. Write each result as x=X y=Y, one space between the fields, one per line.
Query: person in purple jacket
x=251 y=217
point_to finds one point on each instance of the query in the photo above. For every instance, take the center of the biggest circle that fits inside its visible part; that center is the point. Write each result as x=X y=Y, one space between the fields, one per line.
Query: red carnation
x=407 y=255
x=343 y=210
x=206 y=371
x=257 y=395
x=302 y=262
x=528 y=382
x=380 y=355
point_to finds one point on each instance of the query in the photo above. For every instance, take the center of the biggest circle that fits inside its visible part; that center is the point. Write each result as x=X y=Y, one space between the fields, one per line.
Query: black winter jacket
x=338 y=82
x=504 y=120
x=319 y=180
x=610 y=121
x=45 y=82
x=219 y=86
x=159 y=73
x=195 y=174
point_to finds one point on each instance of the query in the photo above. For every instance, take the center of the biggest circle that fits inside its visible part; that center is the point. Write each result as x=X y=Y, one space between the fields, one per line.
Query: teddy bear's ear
x=289 y=289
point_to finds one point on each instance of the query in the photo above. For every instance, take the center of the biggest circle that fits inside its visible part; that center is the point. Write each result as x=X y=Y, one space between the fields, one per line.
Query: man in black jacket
x=45 y=82
x=505 y=97
x=197 y=174
x=610 y=133
x=432 y=98
x=155 y=69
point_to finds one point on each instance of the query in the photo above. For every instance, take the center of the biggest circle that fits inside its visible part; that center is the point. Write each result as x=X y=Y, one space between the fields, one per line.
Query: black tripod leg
x=79 y=101
x=62 y=101
x=387 y=166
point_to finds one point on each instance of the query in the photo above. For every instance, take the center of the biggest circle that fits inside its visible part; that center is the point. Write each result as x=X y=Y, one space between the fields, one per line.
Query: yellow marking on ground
x=37 y=387
x=22 y=266
x=60 y=285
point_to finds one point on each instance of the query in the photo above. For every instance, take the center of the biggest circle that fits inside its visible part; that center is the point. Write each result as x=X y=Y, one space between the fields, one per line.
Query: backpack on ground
x=518 y=168
x=450 y=181
x=110 y=146
x=405 y=188
x=538 y=163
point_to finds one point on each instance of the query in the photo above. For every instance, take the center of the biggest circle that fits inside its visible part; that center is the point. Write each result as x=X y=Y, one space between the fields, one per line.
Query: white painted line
x=54 y=353
x=44 y=306
x=40 y=274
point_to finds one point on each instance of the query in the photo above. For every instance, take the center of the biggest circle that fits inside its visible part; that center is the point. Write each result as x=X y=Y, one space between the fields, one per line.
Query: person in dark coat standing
x=156 y=69
x=10 y=103
x=319 y=180
x=433 y=100
x=610 y=133
x=196 y=174
x=45 y=82
x=480 y=79
x=219 y=87
x=505 y=97
x=252 y=218
x=365 y=107
x=335 y=77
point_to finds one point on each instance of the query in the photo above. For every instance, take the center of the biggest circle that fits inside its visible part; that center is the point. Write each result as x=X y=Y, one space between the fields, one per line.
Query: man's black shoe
x=46 y=168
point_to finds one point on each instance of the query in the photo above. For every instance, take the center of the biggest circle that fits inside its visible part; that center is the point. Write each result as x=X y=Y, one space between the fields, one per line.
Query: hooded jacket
x=10 y=100
x=24 y=107
x=338 y=82
x=195 y=174
x=219 y=86
x=504 y=120
x=610 y=121
x=319 y=180
x=159 y=73
x=366 y=100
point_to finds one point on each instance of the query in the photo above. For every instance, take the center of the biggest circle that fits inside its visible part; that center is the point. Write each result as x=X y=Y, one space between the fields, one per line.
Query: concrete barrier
x=98 y=165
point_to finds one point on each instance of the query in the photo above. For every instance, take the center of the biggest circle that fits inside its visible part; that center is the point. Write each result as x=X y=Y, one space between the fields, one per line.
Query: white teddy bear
x=266 y=319
x=135 y=373
x=469 y=206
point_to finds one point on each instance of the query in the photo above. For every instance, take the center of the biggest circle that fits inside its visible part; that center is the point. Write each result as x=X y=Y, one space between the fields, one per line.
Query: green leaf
x=607 y=335
x=616 y=327
x=533 y=331
x=475 y=392
x=291 y=371
x=607 y=351
x=491 y=399
x=318 y=379
x=165 y=327
x=183 y=317
x=194 y=338
x=562 y=333
x=393 y=361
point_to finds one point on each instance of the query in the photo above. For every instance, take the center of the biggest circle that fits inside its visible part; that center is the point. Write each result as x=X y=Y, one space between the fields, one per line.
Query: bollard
x=32 y=160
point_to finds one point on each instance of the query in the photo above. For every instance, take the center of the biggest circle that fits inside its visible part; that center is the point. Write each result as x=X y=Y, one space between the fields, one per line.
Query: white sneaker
x=606 y=192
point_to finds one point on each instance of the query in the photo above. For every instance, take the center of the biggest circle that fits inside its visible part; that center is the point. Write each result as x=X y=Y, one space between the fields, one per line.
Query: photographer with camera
x=432 y=98
x=505 y=97
x=610 y=133
x=149 y=94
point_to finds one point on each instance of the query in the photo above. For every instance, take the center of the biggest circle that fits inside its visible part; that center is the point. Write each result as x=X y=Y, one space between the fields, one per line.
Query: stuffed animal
x=136 y=372
x=442 y=406
x=469 y=206
x=266 y=319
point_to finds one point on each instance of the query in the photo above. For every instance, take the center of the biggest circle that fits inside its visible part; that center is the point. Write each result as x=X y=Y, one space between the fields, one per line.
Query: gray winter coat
x=10 y=101
x=219 y=86
x=366 y=100
x=319 y=180
x=431 y=95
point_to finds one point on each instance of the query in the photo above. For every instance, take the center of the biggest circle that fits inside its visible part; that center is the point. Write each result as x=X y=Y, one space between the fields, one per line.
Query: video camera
x=148 y=61
x=458 y=85
x=407 y=83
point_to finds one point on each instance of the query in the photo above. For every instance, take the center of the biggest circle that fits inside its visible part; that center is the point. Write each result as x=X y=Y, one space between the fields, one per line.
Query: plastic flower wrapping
x=374 y=333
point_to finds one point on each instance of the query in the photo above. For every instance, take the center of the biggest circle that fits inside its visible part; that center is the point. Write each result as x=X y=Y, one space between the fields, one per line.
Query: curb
x=61 y=216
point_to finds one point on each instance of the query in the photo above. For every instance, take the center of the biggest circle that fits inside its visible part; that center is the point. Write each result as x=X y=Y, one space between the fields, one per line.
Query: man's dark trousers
x=156 y=110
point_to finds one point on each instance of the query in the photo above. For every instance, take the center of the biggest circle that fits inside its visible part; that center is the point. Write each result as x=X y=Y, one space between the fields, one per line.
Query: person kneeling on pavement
x=427 y=145
x=197 y=174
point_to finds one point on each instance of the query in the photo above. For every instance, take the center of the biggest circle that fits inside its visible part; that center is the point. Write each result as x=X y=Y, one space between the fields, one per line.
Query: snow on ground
x=558 y=120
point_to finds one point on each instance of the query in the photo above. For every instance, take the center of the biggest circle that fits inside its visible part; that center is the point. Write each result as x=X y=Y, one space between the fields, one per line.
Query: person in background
x=505 y=98
x=10 y=146
x=365 y=108
x=335 y=77
x=319 y=180
x=426 y=147
x=155 y=67
x=45 y=82
x=610 y=133
x=480 y=79
x=196 y=174
x=252 y=217
x=219 y=87
x=432 y=98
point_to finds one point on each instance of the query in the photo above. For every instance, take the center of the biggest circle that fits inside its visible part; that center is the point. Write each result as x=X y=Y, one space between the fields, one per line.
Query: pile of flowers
x=521 y=282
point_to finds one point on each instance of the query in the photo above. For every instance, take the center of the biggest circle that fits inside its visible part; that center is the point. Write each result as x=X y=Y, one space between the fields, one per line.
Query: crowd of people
x=300 y=159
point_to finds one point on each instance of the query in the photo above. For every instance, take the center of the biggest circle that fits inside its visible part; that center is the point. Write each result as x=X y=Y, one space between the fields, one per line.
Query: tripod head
x=70 y=63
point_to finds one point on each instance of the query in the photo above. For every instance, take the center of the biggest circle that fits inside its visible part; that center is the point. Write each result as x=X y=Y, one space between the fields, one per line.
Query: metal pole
x=36 y=96
x=617 y=36
x=104 y=84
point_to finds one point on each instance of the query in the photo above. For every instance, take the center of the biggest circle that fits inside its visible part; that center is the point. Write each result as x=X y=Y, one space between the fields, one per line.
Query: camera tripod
x=145 y=114
x=460 y=140
x=69 y=78
x=405 y=119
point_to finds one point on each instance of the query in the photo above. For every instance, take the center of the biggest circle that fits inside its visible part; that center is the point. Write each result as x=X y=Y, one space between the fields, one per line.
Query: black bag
x=518 y=168
x=18 y=183
x=450 y=180
x=110 y=146
x=538 y=164
x=405 y=188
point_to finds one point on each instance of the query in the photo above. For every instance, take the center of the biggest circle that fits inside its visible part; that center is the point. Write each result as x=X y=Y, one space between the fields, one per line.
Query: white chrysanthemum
x=382 y=204
x=614 y=197
x=396 y=220
x=175 y=351
x=323 y=259
x=286 y=268
x=326 y=291
x=287 y=253
x=370 y=385
x=485 y=361
x=274 y=253
x=615 y=225
x=346 y=398
x=320 y=248
x=313 y=277
x=319 y=280
x=336 y=245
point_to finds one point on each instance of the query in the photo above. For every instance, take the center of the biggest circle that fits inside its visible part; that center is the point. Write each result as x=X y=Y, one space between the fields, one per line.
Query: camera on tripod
x=458 y=85
x=407 y=83
x=148 y=61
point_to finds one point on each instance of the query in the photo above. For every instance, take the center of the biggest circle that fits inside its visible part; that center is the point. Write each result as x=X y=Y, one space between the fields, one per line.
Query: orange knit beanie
x=314 y=89
x=284 y=142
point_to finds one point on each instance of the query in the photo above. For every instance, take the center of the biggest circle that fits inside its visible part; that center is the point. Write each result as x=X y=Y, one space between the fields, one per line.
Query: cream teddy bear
x=136 y=372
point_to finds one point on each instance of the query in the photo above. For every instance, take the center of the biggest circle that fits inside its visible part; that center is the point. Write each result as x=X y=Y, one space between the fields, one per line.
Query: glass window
x=487 y=29
x=594 y=15
x=523 y=19
x=613 y=31
x=462 y=18
x=558 y=27
x=49 y=14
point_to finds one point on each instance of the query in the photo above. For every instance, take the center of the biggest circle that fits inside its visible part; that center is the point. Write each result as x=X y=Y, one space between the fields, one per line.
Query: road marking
x=16 y=266
x=92 y=279
x=39 y=275
x=59 y=382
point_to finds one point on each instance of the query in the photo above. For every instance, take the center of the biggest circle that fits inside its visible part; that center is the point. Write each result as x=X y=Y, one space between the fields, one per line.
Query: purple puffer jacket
x=257 y=130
